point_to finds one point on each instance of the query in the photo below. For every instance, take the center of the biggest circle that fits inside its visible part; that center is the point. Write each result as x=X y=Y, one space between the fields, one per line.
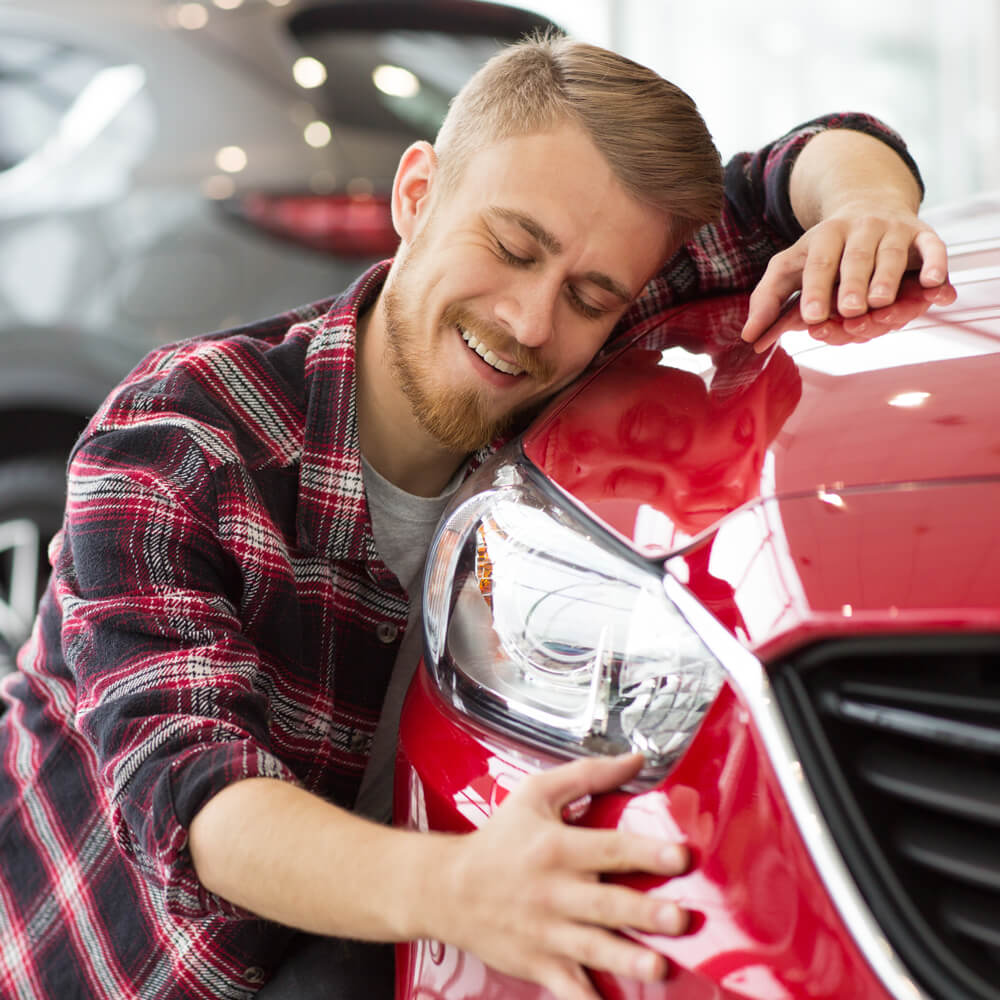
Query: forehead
x=560 y=180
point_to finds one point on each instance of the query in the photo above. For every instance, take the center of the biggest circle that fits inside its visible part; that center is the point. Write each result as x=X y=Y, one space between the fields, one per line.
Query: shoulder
x=237 y=394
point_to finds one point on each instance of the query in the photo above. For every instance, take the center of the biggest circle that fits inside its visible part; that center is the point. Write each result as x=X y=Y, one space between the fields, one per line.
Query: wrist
x=841 y=171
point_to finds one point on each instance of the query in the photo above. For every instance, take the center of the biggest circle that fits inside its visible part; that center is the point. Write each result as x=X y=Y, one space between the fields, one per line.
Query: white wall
x=930 y=68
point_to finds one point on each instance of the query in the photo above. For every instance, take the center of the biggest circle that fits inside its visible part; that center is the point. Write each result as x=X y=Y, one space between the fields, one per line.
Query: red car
x=778 y=575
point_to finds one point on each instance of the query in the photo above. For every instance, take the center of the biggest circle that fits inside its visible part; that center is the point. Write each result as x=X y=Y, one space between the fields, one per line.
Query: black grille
x=900 y=740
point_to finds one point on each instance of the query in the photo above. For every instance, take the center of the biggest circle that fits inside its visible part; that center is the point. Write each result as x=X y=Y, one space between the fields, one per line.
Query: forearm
x=839 y=168
x=289 y=856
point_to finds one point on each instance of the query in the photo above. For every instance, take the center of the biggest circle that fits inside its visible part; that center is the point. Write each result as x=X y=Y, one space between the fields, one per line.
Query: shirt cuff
x=777 y=159
x=179 y=793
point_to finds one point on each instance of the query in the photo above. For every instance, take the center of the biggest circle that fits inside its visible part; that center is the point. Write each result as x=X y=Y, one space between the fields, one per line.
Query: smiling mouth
x=487 y=355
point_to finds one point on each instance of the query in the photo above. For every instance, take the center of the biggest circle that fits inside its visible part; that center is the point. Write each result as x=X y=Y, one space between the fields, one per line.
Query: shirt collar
x=332 y=512
x=333 y=515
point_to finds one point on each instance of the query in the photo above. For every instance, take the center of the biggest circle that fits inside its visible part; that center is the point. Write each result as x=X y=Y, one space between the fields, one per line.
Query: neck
x=392 y=439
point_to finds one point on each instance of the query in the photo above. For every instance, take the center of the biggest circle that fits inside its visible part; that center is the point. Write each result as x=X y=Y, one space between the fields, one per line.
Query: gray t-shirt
x=403 y=526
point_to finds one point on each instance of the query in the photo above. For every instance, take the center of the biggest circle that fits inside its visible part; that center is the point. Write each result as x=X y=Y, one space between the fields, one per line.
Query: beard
x=461 y=421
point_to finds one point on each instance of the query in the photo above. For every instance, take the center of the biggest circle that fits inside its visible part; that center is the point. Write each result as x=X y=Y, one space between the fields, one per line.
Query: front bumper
x=765 y=925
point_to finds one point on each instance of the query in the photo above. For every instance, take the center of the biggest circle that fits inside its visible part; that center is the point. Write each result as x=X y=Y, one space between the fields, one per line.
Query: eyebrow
x=550 y=243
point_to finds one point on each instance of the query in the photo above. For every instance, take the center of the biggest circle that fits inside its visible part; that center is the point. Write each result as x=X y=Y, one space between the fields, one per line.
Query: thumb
x=554 y=789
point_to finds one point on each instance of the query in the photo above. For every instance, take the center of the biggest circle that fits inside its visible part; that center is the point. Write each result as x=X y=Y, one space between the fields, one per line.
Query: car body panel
x=660 y=457
x=763 y=924
x=914 y=558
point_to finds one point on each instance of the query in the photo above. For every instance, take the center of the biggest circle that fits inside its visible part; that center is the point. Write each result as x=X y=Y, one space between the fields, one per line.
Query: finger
x=566 y=980
x=617 y=907
x=891 y=261
x=765 y=342
x=820 y=273
x=558 y=787
x=613 y=851
x=781 y=279
x=857 y=266
x=597 y=948
x=934 y=257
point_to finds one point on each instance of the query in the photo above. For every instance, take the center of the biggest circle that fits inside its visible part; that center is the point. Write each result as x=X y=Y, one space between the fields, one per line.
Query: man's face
x=510 y=281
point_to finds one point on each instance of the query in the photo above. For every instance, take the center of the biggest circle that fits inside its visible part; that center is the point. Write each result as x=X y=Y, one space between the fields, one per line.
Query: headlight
x=534 y=624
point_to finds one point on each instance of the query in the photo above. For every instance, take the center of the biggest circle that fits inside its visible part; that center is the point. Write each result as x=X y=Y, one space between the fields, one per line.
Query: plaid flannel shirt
x=218 y=611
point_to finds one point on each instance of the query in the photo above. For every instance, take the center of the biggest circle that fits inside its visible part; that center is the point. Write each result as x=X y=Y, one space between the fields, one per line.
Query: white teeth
x=488 y=356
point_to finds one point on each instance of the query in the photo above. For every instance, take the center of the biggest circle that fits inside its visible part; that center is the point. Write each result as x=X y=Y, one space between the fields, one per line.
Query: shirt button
x=386 y=632
x=358 y=742
x=254 y=975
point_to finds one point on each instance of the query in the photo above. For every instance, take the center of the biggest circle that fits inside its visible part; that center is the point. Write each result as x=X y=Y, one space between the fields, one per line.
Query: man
x=196 y=708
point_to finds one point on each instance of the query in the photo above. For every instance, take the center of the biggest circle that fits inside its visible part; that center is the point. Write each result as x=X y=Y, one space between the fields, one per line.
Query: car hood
x=673 y=433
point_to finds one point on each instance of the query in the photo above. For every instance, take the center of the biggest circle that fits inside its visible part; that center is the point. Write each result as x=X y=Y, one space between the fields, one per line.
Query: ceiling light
x=231 y=159
x=395 y=81
x=910 y=399
x=309 y=72
x=318 y=134
x=218 y=187
x=228 y=4
x=192 y=16
x=833 y=499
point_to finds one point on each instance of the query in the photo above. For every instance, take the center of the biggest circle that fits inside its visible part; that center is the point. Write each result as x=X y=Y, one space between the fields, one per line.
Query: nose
x=527 y=309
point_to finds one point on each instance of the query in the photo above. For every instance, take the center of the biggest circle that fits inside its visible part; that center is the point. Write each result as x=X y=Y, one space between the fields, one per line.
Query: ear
x=411 y=188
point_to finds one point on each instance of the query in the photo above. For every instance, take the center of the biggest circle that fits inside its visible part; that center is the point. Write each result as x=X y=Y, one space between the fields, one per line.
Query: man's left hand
x=849 y=263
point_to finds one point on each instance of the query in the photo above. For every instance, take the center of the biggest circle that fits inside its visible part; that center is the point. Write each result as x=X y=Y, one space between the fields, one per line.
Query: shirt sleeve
x=757 y=220
x=170 y=692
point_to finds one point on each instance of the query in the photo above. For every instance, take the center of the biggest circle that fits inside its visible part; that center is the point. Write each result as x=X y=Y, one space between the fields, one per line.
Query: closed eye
x=512 y=258
x=583 y=306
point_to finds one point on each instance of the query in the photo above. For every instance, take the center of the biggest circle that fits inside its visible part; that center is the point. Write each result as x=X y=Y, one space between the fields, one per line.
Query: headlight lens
x=534 y=624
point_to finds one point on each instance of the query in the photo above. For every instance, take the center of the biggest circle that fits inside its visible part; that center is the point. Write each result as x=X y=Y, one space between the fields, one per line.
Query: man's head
x=650 y=132
x=561 y=180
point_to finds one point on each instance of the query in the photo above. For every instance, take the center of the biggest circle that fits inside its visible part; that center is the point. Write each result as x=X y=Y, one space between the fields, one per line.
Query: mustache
x=499 y=341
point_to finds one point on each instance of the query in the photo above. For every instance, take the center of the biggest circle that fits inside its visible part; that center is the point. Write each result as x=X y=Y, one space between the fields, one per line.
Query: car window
x=39 y=81
x=400 y=77
x=72 y=123
x=397 y=80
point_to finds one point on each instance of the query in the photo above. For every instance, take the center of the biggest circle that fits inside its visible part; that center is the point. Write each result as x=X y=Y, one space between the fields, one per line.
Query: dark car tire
x=33 y=489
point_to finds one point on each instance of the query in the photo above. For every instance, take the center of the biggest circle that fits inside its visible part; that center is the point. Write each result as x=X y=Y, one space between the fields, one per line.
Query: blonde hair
x=648 y=130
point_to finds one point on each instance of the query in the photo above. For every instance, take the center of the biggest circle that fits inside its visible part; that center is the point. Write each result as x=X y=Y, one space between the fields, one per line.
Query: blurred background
x=171 y=167
x=930 y=68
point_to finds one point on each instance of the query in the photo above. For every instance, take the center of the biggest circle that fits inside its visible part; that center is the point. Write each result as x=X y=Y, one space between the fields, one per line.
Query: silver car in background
x=170 y=168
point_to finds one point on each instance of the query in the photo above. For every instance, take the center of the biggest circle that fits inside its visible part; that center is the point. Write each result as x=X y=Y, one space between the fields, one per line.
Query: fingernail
x=853 y=301
x=674 y=856
x=812 y=310
x=935 y=275
x=669 y=918
x=880 y=291
x=647 y=965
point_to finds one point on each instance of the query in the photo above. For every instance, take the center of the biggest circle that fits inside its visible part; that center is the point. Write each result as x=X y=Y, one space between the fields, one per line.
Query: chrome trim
x=747 y=674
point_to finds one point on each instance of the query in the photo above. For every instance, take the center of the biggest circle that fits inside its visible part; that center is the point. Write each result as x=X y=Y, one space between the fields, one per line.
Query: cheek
x=576 y=346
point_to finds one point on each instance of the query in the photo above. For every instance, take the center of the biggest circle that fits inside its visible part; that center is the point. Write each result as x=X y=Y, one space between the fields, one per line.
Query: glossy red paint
x=687 y=424
x=915 y=558
x=764 y=926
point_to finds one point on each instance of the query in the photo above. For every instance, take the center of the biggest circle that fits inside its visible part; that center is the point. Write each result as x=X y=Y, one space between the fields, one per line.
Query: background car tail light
x=340 y=224
x=535 y=625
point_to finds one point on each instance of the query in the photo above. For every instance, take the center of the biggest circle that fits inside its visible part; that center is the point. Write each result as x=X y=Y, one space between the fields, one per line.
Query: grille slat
x=966 y=856
x=900 y=740
x=924 y=780
x=937 y=698
x=973 y=917
x=938 y=729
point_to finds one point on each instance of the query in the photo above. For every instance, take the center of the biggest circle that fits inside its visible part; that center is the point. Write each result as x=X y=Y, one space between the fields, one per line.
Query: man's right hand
x=524 y=892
